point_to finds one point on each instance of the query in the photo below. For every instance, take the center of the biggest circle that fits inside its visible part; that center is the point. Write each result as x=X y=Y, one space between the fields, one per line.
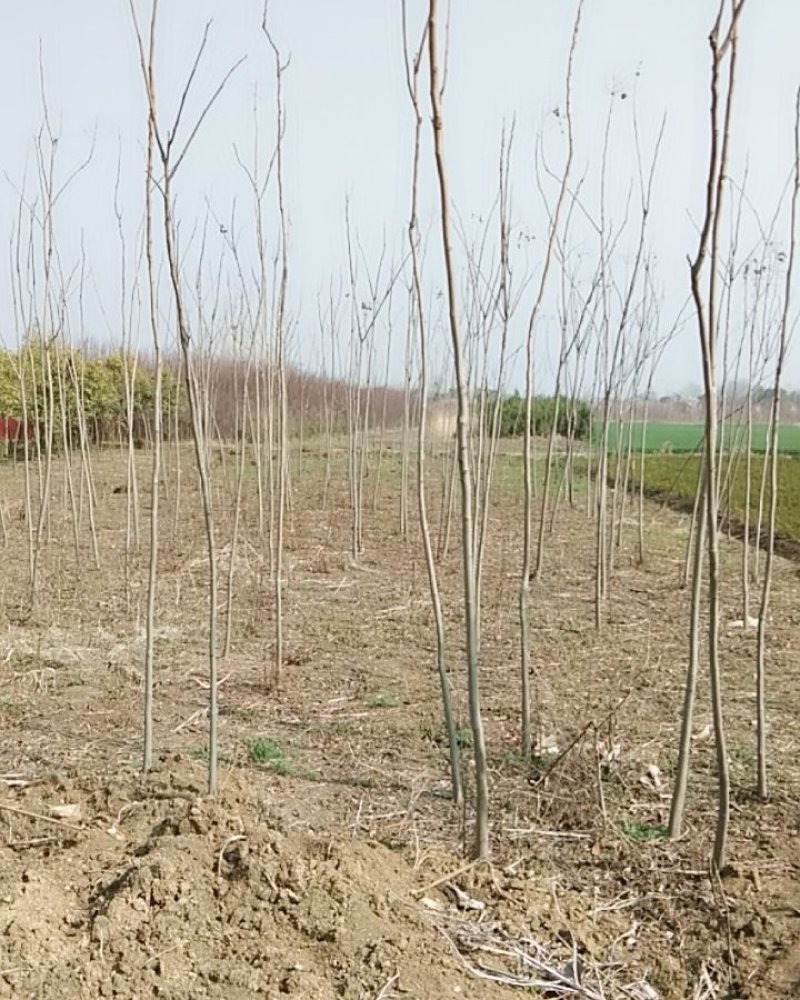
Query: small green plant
x=280 y=765
x=741 y=762
x=265 y=751
x=741 y=758
x=464 y=736
x=643 y=833
x=438 y=735
x=383 y=699
x=512 y=760
x=6 y=701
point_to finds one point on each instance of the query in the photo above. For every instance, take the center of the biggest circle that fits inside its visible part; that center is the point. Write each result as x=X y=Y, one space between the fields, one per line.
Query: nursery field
x=331 y=864
x=680 y=438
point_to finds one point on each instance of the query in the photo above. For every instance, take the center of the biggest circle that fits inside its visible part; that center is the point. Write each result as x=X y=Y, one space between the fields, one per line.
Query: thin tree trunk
x=412 y=79
x=482 y=845
x=772 y=457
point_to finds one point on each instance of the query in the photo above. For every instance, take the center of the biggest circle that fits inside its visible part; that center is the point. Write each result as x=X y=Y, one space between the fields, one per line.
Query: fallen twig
x=34 y=815
x=384 y=993
x=201 y=713
x=205 y=685
x=445 y=878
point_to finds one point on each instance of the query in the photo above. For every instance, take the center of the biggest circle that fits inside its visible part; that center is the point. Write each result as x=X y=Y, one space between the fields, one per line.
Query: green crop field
x=676 y=476
x=666 y=436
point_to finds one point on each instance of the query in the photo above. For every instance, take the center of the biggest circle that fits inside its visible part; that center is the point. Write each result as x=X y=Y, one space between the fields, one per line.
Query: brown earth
x=331 y=863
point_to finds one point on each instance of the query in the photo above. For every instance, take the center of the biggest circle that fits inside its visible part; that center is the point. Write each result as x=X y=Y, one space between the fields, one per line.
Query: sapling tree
x=657 y=344
x=130 y=359
x=583 y=322
x=757 y=327
x=170 y=157
x=771 y=458
x=574 y=318
x=705 y=297
x=76 y=376
x=244 y=343
x=280 y=324
x=48 y=320
x=405 y=445
x=147 y=68
x=527 y=456
x=490 y=301
x=413 y=64
x=366 y=312
x=261 y=415
x=21 y=316
x=482 y=847
x=613 y=335
x=385 y=400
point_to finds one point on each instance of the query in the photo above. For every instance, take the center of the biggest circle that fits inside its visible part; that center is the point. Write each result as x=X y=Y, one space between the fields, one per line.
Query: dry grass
x=579 y=862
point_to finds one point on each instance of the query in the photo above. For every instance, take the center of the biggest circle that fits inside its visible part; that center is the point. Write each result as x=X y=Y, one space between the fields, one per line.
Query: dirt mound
x=169 y=894
x=143 y=887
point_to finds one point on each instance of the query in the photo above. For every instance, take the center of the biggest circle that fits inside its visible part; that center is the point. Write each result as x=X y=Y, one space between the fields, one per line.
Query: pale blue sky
x=348 y=122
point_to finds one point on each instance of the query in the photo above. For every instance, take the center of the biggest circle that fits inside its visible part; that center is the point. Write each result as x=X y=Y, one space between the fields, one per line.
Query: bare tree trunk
x=170 y=162
x=152 y=568
x=382 y=436
x=47 y=172
x=748 y=495
x=280 y=344
x=687 y=717
x=505 y=304
x=242 y=422
x=448 y=495
x=412 y=80
x=406 y=438
x=527 y=448
x=772 y=458
x=707 y=327
x=482 y=845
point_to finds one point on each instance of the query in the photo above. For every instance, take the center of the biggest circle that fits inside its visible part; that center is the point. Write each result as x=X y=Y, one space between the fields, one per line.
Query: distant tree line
x=53 y=392
x=109 y=395
x=572 y=417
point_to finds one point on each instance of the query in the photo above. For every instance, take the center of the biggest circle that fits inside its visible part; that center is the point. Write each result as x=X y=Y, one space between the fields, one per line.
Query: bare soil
x=332 y=864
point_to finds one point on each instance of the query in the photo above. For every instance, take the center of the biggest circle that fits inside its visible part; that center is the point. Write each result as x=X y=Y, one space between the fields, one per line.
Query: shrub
x=572 y=417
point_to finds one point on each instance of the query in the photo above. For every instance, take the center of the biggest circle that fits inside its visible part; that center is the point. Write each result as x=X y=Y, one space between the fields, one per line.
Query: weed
x=383 y=699
x=438 y=735
x=741 y=763
x=514 y=760
x=265 y=751
x=464 y=736
x=643 y=833
x=740 y=758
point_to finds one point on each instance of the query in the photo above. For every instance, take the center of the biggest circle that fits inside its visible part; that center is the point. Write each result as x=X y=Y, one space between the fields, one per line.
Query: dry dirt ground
x=331 y=863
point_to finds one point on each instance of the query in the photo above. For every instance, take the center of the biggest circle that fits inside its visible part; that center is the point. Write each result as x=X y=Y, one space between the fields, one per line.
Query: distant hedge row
x=65 y=382
x=573 y=418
